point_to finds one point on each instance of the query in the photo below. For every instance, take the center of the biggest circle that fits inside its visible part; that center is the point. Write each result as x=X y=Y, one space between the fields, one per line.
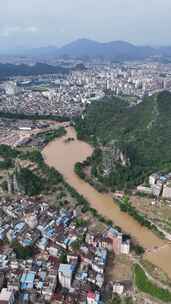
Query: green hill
x=134 y=140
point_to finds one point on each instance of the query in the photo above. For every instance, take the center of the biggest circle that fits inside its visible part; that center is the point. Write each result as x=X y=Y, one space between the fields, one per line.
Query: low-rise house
x=167 y=191
x=42 y=243
x=53 y=250
x=153 y=178
x=144 y=189
x=125 y=247
x=106 y=243
x=3 y=262
x=118 y=288
x=157 y=188
x=31 y=220
x=2 y=277
x=6 y=296
x=93 y=297
x=49 y=286
x=27 y=280
x=13 y=282
x=99 y=280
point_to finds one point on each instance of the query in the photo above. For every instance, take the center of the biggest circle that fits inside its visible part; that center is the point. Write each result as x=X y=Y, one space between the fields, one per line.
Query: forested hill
x=142 y=133
x=8 y=70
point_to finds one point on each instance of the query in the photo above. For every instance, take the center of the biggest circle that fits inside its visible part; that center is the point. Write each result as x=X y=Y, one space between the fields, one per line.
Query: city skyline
x=38 y=23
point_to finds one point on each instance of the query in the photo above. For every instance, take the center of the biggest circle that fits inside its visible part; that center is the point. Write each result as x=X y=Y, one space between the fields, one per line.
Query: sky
x=36 y=23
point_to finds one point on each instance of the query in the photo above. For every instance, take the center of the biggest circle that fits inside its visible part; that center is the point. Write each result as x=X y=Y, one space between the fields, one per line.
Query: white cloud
x=14 y=30
x=48 y=22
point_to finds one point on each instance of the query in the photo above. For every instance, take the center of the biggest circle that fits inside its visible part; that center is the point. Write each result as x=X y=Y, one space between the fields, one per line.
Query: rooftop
x=66 y=269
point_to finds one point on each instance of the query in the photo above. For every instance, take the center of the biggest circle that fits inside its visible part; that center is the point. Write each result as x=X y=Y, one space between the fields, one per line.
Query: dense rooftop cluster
x=67 y=94
x=50 y=254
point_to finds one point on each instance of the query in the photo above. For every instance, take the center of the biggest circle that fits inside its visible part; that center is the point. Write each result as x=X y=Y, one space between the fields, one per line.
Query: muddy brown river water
x=63 y=157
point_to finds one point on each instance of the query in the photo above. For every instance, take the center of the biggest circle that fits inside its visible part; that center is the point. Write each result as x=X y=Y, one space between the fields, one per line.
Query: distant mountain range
x=116 y=50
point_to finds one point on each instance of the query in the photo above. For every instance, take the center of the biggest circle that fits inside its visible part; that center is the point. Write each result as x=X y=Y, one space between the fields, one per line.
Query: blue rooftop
x=27 y=280
x=27 y=242
x=113 y=231
x=19 y=227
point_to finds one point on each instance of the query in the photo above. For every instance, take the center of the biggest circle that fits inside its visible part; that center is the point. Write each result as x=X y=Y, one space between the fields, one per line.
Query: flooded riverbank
x=63 y=157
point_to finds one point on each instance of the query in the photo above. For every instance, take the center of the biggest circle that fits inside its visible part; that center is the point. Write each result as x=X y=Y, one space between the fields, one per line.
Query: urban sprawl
x=61 y=253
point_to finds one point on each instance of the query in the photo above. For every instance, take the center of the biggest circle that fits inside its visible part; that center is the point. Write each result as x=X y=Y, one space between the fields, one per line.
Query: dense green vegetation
x=7 y=152
x=33 y=117
x=8 y=155
x=22 y=252
x=116 y=300
x=79 y=170
x=34 y=156
x=7 y=70
x=52 y=176
x=139 y=250
x=141 y=132
x=63 y=258
x=29 y=182
x=146 y=286
x=6 y=164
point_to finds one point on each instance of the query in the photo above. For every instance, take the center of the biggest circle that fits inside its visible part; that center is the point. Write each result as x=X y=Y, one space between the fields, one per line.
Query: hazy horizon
x=37 y=23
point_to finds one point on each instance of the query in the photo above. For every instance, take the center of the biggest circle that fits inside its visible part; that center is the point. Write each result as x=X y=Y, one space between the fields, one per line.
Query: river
x=63 y=157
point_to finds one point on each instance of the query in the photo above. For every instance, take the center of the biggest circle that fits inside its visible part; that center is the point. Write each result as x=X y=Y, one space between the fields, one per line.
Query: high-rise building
x=10 y=88
x=65 y=274
x=116 y=238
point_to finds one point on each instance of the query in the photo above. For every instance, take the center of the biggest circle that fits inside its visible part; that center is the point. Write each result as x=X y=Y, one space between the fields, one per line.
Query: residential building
x=65 y=275
x=6 y=296
x=93 y=297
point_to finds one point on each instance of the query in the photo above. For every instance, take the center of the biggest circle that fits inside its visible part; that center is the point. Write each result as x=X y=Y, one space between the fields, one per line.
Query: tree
x=76 y=245
x=115 y=299
x=128 y=300
x=63 y=258
x=29 y=182
x=139 y=250
x=22 y=252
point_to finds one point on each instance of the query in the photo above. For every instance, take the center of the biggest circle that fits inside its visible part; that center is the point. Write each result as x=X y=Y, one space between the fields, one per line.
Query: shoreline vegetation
x=79 y=169
x=50 y=177
x=50 y=135
x=69 y=139
x=54 y=177
x=124 y=204
x=11 y=115
x=144 y=284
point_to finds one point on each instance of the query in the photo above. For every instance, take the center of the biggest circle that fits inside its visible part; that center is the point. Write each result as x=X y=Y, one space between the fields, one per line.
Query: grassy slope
x=146 y=286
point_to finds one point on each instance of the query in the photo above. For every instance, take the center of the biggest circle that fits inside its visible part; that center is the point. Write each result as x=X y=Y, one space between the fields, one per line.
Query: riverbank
x=63 y=157
x=124 y=204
